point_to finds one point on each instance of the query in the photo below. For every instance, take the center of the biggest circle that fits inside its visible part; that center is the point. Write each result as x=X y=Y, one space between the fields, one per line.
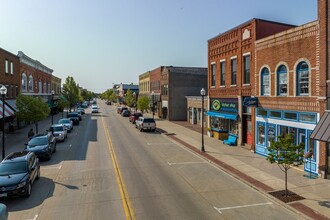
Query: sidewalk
x=254 y=169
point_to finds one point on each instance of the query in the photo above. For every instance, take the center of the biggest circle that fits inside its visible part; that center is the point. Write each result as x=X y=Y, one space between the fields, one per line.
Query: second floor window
x=213 y=72
x=222 y=73
x=30 y=83
x=11 y=68
x=247 y=69
x=24 y=82
x=6 y=66
x=302 y=79
x=282 y=81
x=265 y=82
x=233 y=71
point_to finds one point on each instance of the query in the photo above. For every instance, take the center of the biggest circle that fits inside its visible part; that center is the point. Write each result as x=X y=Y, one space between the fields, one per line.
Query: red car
x=121 y=109
x=133 y=117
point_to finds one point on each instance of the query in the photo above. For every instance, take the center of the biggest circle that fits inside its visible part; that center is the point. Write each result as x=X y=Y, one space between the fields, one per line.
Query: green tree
x=286 y=155
x=31 y=109
x=143 y=103
x=62 y=103
x=71 y=91
x=129 y=98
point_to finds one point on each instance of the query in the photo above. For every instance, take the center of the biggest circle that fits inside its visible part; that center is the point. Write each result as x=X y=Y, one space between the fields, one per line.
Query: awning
x=9 y=111
x=222 y=115
x=322 y=130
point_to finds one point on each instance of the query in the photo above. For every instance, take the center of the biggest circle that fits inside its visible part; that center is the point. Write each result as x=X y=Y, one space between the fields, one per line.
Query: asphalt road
x=107 y=169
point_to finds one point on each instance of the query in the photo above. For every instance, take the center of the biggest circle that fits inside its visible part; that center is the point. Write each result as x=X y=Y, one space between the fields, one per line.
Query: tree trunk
x=286 y=182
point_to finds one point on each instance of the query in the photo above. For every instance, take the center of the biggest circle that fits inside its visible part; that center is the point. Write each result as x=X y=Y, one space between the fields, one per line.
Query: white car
x=67 y=123
x=59 y=131
x=95 y=109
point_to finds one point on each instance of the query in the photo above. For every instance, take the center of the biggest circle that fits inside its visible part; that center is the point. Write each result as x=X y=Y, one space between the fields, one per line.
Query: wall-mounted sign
x=224 y=105
x=250 y=102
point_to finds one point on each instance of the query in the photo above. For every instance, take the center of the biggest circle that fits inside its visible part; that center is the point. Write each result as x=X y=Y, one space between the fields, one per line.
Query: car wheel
x=28 y=190
x=38 y=174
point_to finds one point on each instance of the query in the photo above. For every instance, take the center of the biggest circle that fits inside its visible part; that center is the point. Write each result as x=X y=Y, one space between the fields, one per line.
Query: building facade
x=231 y=81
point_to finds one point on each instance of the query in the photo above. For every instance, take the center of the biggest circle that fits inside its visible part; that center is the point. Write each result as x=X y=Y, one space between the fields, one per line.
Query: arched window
x=40 y=87
x=302 y=78
x=48 y=88
x=24 y=82
x=282 y=81
x=31 y=83
x=265 y=82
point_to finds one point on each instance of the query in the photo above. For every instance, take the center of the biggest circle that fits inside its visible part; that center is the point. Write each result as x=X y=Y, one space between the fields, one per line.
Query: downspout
x=327 y=83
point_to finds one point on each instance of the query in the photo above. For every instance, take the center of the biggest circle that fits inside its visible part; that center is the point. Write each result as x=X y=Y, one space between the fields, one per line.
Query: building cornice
x=33 y=63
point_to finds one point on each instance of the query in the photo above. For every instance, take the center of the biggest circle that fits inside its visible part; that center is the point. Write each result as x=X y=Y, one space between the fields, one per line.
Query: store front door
x=247 y=130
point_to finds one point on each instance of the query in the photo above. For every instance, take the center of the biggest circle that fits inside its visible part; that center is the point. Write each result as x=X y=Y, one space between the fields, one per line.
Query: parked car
x=74 y=117
x=121 y=109
x=145 y=124
x=133 y=117
x=3 y=212
x=18 y=171
x=59 y=131
x=81 y=110
x=79 y=115
x=95 y=109
x=126 y=113
x=43 y=145
x=67 y=123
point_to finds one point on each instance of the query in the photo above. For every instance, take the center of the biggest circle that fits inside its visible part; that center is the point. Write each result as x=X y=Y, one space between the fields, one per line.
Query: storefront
x=223 y=116
x=271 y=123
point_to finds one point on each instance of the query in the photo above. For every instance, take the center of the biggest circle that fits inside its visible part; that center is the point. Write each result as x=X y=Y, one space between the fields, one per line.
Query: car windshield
x=13 y=168
x=150 y=120
x=58 y=128
x=73 y=114
x=64 y=121
x=38 y=141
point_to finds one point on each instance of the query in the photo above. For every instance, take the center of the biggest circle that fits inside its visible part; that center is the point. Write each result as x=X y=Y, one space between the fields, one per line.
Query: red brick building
x=231 y=79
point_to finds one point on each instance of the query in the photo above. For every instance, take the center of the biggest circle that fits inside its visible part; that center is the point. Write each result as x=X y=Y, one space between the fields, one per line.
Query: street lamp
x=134 y=94
x=153 y=104
x=3 y=92
x=203 y=94
x=52 y=110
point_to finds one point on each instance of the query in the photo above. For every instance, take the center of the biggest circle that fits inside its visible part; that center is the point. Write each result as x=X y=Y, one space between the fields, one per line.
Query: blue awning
x=222 y=115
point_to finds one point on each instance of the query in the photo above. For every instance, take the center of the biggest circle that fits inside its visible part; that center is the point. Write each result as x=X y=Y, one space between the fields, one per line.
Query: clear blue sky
x=102 y=42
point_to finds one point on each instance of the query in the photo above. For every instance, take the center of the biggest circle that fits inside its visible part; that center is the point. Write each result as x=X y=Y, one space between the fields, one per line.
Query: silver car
x=67 y=123
x=59 y=131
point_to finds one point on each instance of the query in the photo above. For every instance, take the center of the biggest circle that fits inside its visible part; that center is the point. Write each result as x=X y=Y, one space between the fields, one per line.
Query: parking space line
x=169 y=143
x=184 y=163
x=35 y=218
x=242 y=206
x=52 y=166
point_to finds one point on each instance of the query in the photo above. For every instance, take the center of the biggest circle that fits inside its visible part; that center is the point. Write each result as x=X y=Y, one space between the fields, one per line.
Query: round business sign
x=216 y=105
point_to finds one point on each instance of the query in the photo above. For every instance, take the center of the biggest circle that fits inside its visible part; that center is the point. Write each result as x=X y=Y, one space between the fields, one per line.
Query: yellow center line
x=129 y=212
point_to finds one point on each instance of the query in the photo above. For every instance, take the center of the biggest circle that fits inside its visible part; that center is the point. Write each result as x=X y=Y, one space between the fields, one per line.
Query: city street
x=107 y=169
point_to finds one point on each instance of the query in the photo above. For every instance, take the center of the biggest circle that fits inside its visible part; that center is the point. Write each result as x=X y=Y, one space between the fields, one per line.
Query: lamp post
x=3 y=92
x=52 y=110
x=134 y=94
x=203 y=94
x=153 y=104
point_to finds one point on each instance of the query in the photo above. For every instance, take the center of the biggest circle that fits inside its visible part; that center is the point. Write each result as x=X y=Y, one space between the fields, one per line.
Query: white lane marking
x=242 y=206
x=53 y=166
x=35 y=218
x=180 y=163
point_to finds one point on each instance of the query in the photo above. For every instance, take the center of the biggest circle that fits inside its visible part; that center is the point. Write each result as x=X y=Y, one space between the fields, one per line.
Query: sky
x=104 y=42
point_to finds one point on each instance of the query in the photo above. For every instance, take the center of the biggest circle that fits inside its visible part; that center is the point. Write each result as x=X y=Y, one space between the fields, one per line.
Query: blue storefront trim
x=222 y=115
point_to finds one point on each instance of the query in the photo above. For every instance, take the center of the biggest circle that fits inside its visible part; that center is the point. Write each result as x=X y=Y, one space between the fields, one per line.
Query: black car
x=126 y=113
x=18 y=171
x=42 y=145
x=74 y=117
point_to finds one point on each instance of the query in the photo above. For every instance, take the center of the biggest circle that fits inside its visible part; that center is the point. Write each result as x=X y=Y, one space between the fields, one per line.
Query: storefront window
x=311 y=146
x=262 y=112
x=219 y=124
x=290 y=115
x=307 y=117
x=233 y=127
x=275 y=114
x=271 y=131
x=261 y=133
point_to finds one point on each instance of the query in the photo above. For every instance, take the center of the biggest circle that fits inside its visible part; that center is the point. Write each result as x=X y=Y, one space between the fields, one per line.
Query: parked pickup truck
x=145 y=124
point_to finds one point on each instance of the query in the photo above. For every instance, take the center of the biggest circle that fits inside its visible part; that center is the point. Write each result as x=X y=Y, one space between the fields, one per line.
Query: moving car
x=145 y=124
x=18 y=171
x=74 y=117
x=81 y=110
x=59 y=131
x=133 y=117
x=95 y=109
x=43 y=145
x=67 y=123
